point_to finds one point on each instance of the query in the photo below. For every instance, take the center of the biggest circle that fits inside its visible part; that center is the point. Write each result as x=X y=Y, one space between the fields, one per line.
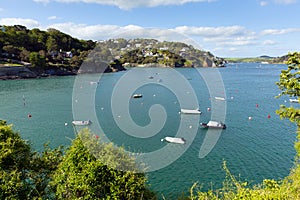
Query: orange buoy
x=269 y=116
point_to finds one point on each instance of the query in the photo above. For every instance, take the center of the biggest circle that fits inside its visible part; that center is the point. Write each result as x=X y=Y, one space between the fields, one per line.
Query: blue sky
x=227 y=28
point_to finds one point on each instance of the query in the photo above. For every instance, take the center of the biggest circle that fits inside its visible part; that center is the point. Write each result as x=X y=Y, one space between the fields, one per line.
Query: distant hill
x=260 y=59
x=142 y=52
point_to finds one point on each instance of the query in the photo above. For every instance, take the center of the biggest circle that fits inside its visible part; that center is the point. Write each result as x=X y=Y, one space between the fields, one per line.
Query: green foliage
x=37 y=60
x=24 y=174
x=17 y=42
x=76 y=175
x=289 y=83
x=14 y=152
x=82 y=176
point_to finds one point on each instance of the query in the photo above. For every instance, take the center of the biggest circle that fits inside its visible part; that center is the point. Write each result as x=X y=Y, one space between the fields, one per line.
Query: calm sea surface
x=254 y=149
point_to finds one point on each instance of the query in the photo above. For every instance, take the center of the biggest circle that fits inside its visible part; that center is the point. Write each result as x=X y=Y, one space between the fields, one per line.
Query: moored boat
x=137 y=96
x=294 y=100
x=220 y=98
x=174 y=140
x=213 y=124
x=190 y=111
x=81 y=122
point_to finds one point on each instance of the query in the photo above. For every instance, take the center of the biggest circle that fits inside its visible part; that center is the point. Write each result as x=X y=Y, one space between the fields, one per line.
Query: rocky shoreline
x=14 y=72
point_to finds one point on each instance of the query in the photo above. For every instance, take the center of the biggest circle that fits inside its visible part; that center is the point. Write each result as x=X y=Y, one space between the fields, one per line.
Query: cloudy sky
x=227 y=28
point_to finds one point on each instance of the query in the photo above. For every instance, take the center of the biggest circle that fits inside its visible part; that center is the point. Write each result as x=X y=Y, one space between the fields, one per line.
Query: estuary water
x=256 y=144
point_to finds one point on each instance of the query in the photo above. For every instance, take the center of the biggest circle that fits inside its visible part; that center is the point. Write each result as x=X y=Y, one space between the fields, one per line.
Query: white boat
x=189 y=111
x=137 y=96
x=81 y=123
x=294 y=100
x=220 y=98
x=174 y=140
x=213 y=124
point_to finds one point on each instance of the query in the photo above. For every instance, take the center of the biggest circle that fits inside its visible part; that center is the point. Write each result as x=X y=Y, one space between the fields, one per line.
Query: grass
x=288 y=188
x=5 y=64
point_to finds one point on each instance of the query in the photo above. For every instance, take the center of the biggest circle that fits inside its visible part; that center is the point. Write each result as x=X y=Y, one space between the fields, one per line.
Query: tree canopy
x=73 y=174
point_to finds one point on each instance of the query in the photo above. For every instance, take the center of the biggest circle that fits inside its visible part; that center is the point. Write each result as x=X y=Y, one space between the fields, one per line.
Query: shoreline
x=23 y=72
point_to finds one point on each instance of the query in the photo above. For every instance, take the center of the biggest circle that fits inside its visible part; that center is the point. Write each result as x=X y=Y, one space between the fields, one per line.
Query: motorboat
x=137 y=96
x=190 y=111
x=81 y=122
x=220 y=98
x=294 y=100
x=176 y=140
x=213 y=124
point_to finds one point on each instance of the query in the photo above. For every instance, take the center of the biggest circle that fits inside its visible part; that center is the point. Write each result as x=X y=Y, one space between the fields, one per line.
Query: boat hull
x=81 y=123
x=174 y=140
x=217 y=126
x=187 y=111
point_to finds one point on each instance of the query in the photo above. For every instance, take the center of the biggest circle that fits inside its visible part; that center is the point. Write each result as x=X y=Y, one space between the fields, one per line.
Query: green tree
x=24 y=55
x=51 y=44
x=24 y=174
x=37 y=60
x=289 y=83
x=12 y=50
x=82 y=176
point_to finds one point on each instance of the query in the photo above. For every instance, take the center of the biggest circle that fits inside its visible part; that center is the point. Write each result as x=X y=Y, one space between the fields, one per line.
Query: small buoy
x=190 y=126
x=66 y=124
x=249 y=118
x=231 y=97
x=76 y=100
x=119 y=116
x=29 y=115
x=154 y=95
x=208 y=109
x=269 y=116
x=102 y=108
x=256 y=105
x=97 y=136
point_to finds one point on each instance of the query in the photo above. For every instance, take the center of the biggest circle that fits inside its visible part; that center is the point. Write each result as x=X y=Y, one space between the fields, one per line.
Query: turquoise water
x=256 y=149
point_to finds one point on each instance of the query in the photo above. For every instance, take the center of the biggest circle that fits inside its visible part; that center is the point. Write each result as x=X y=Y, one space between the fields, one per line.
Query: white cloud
x=263 y=3
x=285 y=1
x=42 y=1
x=29 y=23
x=268 y=42
x=52 y=17
x=129 y=4
x=212 y=31
x=279 y=31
